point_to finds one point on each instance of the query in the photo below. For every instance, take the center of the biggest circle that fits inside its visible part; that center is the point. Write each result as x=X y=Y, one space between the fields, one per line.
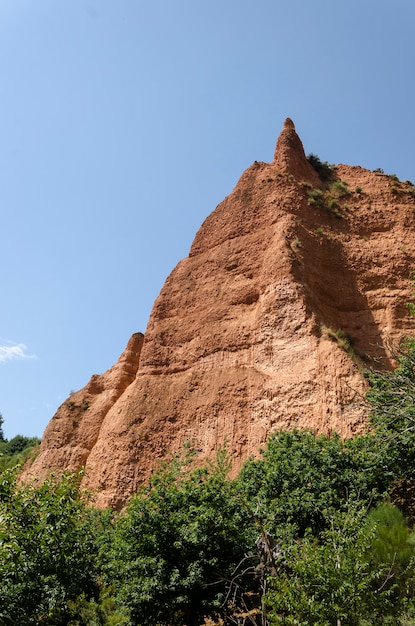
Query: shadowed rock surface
x=243 y=338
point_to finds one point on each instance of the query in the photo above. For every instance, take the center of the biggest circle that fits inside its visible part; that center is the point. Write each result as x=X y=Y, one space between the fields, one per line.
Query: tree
x=393 y=548
x=324 y=170
x=17 y=450
x=179 y=541
x=301 y=476
x=1 y=428
x=47 y=550
x=392 y=394
x=333 y=579
x=392 y=417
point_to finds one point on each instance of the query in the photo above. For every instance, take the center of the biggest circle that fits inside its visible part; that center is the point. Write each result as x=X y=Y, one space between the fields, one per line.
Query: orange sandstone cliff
x=292 y=285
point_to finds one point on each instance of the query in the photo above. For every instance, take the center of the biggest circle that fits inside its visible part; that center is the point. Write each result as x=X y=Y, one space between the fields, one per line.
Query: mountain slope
x=244 y=338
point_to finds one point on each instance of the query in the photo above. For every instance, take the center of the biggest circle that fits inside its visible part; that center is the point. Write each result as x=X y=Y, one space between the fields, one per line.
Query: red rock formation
x=289 y=156
x=75 y=429
x=243 y=339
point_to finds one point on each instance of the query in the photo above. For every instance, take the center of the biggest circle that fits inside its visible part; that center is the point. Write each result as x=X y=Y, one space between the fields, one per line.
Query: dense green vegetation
x=318 y=530
x=323 y=169
x=16 y=450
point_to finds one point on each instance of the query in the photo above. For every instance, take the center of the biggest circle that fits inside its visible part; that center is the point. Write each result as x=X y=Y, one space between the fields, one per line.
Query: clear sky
x=124 y=123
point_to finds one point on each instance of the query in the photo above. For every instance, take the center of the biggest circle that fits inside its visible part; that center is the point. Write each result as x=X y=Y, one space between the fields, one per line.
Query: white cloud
x=10 y=351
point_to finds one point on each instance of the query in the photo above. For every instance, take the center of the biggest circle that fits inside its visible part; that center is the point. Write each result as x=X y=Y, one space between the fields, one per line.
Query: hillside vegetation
x=16 y=450
x=318 y=530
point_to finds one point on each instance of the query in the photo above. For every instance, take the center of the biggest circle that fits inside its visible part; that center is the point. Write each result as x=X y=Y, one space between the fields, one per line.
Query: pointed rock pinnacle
x=290 y=157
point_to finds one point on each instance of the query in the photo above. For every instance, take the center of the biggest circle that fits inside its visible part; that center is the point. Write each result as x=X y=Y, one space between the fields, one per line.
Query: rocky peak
x=289 y=156
x=266 y=325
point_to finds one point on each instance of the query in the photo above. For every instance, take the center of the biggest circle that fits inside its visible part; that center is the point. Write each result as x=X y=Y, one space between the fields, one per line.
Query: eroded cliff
x=292 y=284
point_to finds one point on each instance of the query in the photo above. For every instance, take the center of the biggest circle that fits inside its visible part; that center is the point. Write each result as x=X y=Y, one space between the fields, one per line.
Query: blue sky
x=124 y=123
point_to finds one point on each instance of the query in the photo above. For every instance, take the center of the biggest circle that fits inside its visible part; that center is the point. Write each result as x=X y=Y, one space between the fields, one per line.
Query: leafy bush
x=315 y=197
x=17 y=450
x=101 y=612
x=333 y=579
x=393 y=545
x=47 y=550
x=2 y=439
x=340 y=188
x=332 y=204
x=391 y=397
x=176 y=547
x=324 y=170
x=18 y=456
x=301 y=477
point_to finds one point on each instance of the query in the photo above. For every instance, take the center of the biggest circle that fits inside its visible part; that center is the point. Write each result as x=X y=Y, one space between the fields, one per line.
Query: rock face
x=290 y=286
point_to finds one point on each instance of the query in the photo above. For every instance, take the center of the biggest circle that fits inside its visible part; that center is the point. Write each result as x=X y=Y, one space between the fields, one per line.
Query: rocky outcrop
x=75 y=429
x=289 y=156
x=291 y=286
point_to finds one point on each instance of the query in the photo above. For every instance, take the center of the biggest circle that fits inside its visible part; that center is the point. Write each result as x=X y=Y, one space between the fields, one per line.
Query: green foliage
x=101 y=612
x=330 y=198
x=393 y=547
x=340 y=188
x=393 y=411
x=410 y=305
x=392 y=417
x=332 y=204
x=19 y=443
x=315 y=197
x=357 y=571
x=331 y=579
x=1 y=428
x=17 y=450
x=301 y=477
x=324 y=170
x=178 y=544
x=339 y=337
x=47 y=550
